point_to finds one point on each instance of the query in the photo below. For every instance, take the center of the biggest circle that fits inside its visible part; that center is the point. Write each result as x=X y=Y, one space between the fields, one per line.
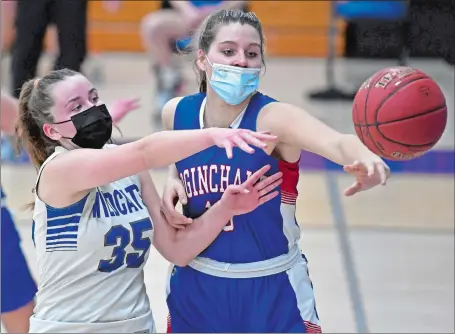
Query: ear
x=49 y=131
x=201 y=61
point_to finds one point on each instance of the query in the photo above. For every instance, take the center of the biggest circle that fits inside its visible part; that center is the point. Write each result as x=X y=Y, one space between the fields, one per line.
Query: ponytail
x=29 y=133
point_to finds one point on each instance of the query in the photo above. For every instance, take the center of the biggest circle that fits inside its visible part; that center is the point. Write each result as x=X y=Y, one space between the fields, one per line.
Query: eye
x=252 y=54
x=77 y=108
x=228 y=52
x=95 y=99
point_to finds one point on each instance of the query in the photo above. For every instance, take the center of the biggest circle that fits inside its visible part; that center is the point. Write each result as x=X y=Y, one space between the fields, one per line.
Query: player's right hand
x=241 y=138
x=256 y=190
x=174 y=192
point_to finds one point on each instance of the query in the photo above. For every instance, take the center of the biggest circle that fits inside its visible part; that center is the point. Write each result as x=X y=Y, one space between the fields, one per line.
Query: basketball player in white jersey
x=17 y=285
x=96 y=210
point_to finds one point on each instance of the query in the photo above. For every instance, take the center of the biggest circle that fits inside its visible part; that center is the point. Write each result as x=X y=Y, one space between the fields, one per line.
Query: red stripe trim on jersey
x=288 y=198
x=312 y=328
x=288 y=195
x=169 y=327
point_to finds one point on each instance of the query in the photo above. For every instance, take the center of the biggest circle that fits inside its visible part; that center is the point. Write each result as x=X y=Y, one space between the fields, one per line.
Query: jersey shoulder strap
x=186 y=116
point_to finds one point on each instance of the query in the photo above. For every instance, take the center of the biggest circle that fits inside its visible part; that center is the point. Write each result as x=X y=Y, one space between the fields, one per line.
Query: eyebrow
x=232 y=42
x=78 y=97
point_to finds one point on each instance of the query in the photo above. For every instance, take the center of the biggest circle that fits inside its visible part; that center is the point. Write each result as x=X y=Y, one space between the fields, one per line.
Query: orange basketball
x=399 y=113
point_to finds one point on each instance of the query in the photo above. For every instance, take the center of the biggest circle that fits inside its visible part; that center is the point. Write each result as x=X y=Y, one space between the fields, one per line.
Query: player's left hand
x=121 y=107
x=369 y=173
x=246 y=197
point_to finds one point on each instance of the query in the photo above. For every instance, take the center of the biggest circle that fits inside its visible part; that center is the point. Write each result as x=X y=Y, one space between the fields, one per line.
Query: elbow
x=181 y=261
x=174 y=254
x=178 y=258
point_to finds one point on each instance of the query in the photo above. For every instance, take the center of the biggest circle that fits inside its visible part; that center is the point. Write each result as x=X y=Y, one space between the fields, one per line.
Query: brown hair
x=35 y=102
x=209 y=29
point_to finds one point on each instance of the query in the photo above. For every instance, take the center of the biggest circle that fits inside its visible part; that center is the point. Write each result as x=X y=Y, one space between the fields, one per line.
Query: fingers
x=228 y=147
x=240 y=143
x=267 y=181
x=134 y=104
x=250 y=139
x=355 y=188
x=168 y=203
x=181 y=195
x=384 y=172
x=270 y=187
x=236 y=189
x=175 y=219
x=268 y=197
x=255 y=177
x=354 y=167
x=177 y=226
x=263 y=136
x=369 y=169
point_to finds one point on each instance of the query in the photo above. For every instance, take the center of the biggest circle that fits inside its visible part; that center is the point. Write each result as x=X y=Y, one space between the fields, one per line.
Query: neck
x=218 y=113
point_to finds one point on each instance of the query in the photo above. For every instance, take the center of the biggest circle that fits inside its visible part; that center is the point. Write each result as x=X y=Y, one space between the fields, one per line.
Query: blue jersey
x=267 y=232
x=17 y=285
x=204 y=3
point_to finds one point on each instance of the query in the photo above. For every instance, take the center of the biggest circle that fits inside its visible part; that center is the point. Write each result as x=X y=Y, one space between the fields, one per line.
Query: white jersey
x=90 y=258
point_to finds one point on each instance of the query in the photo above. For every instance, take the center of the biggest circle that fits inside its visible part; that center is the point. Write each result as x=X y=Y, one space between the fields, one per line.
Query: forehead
x=71 y=87
x=238 y=33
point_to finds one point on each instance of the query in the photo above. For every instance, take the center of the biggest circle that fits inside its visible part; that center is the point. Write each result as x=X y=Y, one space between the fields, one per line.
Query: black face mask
x=93 y=126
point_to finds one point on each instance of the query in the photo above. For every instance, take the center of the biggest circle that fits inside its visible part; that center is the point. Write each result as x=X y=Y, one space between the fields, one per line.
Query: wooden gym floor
x=401 y=236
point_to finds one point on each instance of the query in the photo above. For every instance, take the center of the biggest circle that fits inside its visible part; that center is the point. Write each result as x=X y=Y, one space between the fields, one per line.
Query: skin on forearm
x=351 y=149
x=182 y=246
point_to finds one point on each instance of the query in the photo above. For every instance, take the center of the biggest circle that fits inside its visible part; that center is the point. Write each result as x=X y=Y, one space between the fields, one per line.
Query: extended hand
x=242 y=138
x=246 y=197
x=121 y=107
x=369 y=173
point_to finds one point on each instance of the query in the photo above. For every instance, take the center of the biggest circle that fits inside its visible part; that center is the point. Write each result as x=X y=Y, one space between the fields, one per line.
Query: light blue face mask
x=233 y=84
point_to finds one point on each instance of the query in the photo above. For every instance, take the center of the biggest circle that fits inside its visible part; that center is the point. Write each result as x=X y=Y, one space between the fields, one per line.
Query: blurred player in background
x=253 y=277
x=8 y=13
x=17 y=285
x=32 y=19
x=169 y=30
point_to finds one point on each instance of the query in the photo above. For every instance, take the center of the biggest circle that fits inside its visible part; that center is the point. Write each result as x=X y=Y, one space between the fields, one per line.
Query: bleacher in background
x=293 y=28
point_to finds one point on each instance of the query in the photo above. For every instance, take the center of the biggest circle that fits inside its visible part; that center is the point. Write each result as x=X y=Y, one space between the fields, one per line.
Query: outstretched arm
x=300 y=130
x=160 y=149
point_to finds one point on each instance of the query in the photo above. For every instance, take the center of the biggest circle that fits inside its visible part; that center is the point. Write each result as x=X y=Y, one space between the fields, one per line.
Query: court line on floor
x=382 y=229
x=342 y=232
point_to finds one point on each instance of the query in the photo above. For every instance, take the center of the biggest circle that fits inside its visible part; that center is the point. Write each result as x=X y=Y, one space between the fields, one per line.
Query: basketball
x=399 y=113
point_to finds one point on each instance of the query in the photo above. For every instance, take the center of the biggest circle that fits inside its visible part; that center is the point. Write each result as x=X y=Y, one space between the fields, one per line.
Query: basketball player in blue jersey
x=96 y=210
x=252 y=278
x=17 y=285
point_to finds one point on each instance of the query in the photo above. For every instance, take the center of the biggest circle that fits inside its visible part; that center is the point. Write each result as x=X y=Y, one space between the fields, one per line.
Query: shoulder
x=274 y=115
x=168 y=112
x=169 y=109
